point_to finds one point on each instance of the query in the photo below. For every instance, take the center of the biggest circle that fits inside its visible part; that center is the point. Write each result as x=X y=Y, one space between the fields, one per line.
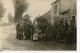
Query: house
x=55 y=11
x=47 y=15
x=67 y=10
x=63 y=9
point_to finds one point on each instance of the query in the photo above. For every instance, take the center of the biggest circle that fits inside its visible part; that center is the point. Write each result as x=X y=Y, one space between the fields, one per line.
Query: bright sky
x=36 y=7
x=8 y=5
x=39 y=7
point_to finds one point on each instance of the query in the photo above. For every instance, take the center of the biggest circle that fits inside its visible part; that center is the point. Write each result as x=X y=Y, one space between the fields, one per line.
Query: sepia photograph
x=38 y=25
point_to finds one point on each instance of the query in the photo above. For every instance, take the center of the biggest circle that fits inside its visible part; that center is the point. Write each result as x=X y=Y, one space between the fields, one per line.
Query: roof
x=54 y=2
x=46 y=13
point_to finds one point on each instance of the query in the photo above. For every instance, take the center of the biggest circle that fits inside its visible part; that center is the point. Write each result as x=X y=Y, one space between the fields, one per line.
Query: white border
x=78 y=26
x=78 y=39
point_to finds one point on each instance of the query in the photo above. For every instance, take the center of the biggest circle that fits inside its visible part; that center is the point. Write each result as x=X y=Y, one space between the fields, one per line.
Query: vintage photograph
x=38 y=25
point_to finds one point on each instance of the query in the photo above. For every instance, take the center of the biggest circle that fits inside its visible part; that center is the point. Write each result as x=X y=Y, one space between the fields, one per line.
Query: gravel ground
x=8 y=42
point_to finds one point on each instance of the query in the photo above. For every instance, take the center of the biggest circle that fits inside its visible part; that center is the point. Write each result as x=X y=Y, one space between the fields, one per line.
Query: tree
x=41 y=23
x=10 y=18
x=20 y=7
x=44 y=26
x=1 y=10
x=27 y=18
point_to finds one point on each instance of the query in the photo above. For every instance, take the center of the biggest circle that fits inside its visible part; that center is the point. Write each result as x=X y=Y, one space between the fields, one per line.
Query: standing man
x=19 y=30
x=66 y=33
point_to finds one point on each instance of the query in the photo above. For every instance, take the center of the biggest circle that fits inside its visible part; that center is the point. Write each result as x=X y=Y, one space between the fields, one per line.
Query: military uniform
x=19 y=30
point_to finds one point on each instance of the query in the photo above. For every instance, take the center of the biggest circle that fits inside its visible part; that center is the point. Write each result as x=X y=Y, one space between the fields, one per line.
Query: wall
x=67 y=9
x=54 y=11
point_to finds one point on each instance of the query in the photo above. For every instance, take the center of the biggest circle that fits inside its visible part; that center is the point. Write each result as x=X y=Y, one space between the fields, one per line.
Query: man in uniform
x=19 y=30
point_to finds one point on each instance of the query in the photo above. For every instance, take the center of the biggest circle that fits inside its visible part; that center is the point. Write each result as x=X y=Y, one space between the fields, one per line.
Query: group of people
x=24 y=28
x=60 y=31
x=66 y=32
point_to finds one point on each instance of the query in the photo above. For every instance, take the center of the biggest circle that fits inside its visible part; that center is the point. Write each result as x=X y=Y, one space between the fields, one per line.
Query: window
x=55 y=9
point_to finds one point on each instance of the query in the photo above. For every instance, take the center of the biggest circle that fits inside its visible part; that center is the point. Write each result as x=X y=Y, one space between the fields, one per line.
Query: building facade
x=67 y=10
x=63 y=9
x=55 y=11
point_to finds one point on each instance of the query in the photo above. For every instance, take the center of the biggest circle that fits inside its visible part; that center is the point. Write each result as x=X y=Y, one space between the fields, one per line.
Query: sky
x=9 y=8
x=36 y=7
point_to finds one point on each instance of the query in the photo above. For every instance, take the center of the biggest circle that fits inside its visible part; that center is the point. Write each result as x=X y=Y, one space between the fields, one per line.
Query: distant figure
x=72 y=31
x=19 y=30
x=66 y=33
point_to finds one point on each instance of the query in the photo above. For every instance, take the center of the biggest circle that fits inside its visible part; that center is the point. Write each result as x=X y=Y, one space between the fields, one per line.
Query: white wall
x=54 y=16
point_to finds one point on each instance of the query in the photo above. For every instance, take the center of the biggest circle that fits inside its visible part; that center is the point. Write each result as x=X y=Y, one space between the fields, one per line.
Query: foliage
x=27 y=18
x=45 y=27
x=42 y=23
x=20 y=7
x=1 y=10
x=10 y=18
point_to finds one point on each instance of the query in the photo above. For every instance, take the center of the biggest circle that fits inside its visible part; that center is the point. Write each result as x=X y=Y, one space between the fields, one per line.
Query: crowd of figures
x=41 y=29
x=66 y=32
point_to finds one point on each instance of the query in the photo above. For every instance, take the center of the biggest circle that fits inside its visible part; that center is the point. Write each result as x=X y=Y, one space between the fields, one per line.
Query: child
x=35 y=35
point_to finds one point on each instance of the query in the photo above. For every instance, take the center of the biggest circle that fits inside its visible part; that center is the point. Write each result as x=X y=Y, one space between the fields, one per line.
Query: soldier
x=19 y=31
x=74 y=28
x=60 y=31
x=66 y=29
x=28 y=29
x=71 y=32
x=25 y=26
